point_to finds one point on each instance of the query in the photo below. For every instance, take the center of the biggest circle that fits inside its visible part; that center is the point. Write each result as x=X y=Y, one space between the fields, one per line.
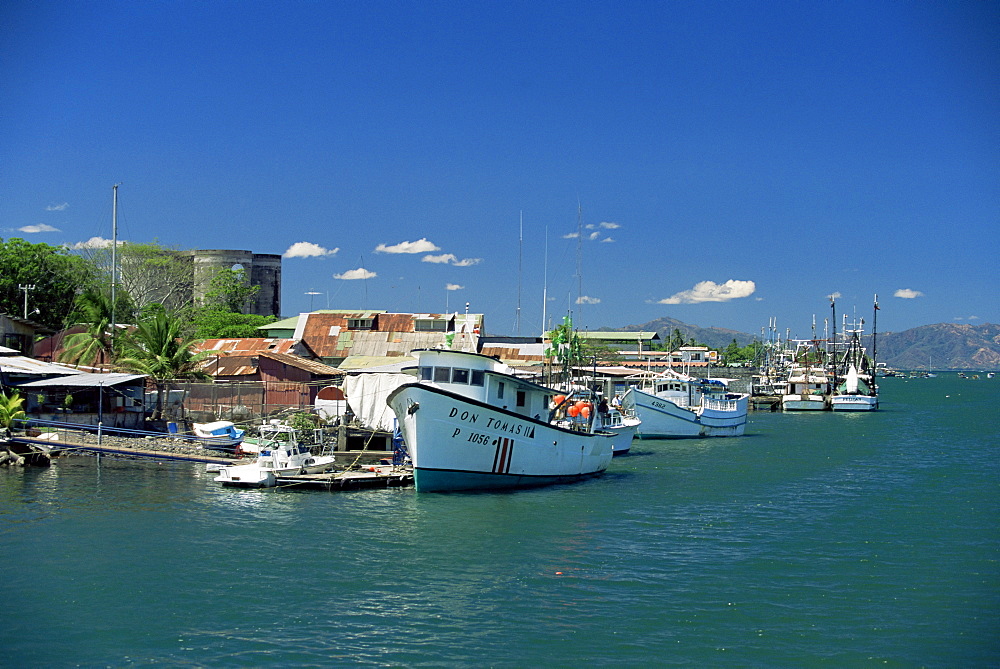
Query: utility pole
x=26 y=288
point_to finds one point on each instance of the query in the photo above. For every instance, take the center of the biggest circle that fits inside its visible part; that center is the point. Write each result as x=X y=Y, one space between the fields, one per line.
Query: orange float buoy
x=573 y=410
x=585 y=412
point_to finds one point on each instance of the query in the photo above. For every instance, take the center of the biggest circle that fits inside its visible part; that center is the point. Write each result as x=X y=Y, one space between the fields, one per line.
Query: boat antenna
x=579 y=254
x=874 y=346
x=520 y=253
x=545 y=281
x=114 y=259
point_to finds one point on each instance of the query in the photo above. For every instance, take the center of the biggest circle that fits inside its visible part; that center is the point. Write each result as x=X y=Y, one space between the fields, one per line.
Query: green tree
x=148 y=273
x=220 y=324
x=230 y=290
x=56 y=274
x=158 y=348
x=10 y=410
x=95 y=344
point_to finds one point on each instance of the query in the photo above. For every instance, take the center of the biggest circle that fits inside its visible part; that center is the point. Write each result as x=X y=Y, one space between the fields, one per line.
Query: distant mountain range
x=941 y=346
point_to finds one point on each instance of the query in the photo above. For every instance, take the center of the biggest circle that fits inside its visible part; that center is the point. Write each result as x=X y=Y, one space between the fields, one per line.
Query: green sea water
x=843 y=540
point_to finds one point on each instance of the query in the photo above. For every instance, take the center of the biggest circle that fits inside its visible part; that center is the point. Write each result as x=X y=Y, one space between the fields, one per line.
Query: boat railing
x=719 y=405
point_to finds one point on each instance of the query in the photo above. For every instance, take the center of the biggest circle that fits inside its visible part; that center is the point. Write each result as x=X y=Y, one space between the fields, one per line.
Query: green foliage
x=10 y=409
x=567 y=347
x=92 y=309
x=211 y=323
x=158 y=348
x=56 y=274
x=230 y=290
x=148 y=273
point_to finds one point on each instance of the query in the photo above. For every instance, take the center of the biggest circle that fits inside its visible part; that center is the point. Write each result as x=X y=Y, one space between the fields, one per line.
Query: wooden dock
x=63 y=447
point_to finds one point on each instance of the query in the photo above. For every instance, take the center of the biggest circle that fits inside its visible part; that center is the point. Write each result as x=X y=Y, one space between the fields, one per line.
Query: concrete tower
x=263 y=269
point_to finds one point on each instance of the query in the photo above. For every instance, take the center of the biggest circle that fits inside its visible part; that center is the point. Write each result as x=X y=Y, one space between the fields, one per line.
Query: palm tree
x=158 y=348
x=95 y=344
x=10 y=411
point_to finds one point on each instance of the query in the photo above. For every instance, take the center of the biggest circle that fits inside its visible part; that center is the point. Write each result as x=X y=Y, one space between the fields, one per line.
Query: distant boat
x=857 y=390
x=671 y=405
x=808 y=387
x=280 y=453
x=470 y=424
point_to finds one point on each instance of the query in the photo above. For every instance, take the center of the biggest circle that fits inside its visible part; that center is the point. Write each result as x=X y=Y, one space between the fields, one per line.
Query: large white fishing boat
x=470 y=424
x=671 y=404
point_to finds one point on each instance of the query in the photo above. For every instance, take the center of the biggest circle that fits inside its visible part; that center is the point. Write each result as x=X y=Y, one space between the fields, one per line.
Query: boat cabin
x=483 y=379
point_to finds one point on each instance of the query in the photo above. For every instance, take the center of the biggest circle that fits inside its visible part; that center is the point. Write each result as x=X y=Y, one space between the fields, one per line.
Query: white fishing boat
x=808 y=388
x=624 y=426
x=670 y=405
x=470 y=424
x=282 y=451
x=856 y=389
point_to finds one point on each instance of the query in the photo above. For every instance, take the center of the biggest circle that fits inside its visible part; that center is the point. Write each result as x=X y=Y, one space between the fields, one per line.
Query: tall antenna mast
x=545 y=281
x=579 y=257
x=114 y=258
x=520 y=252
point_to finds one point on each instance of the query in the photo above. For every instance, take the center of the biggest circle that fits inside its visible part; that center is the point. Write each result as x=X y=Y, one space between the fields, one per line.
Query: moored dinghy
x=469 y=424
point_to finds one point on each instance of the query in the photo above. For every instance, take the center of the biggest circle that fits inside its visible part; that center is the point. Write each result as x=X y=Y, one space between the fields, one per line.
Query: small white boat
x=470 y=424
x=623 y=426
x=281 y=453
x=671 y=405
x=221 y=435
x=808 y=388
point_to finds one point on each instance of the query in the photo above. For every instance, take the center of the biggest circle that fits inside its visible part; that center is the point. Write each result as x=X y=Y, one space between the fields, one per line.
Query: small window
x=442 y=374
x=360 y=323
x=500 y=390
x=521 y=398
x=426 y=373
x=460 y=376
x=430 y=325
x=478 y=378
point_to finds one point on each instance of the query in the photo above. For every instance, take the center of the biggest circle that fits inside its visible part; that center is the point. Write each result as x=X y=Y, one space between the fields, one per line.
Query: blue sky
x=726 y=162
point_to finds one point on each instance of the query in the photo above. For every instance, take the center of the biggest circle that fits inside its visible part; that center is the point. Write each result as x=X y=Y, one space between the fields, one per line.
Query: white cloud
x=571 y=235
x=308 y=250
x=57 y=207
x=419 y=246
x=709 y=291
x=451 y=259
x=92 y=243
x=607 y=240
x=442 y=259
x=354 y=274
x=603 y=224
x=41 y=227
x=583 y=299
x=453 y=286
x=907 y=293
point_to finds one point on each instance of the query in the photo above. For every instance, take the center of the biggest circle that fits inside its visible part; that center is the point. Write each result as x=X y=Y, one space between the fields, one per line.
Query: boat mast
x=520 y=253
x=833 y=306
x=874 y=345
x=114 y=258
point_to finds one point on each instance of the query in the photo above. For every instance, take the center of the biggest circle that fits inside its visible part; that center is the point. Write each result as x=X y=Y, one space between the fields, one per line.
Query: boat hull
x=803 y=403
x=662 y=419
x=456 y=443
x=853 y=403
x=255 y=476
